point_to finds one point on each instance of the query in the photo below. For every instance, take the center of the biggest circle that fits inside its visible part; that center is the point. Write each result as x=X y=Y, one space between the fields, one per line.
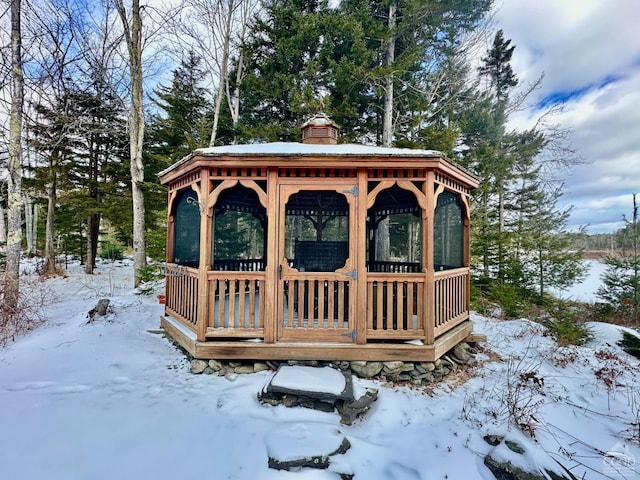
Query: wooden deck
x=254 y=349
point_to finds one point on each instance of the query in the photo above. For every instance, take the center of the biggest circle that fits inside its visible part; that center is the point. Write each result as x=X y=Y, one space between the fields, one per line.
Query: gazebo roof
x=280 y=153
x=302 y=149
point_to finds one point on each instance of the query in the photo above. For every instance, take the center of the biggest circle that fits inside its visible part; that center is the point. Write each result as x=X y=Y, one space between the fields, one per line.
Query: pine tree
x=183 y=123
x=621 y=280
x=81 y=141
x=53 y=141
x=283 y=83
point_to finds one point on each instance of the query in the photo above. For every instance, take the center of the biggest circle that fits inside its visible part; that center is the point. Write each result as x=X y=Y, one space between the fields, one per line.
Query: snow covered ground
x=584 y=291
x=110 y=400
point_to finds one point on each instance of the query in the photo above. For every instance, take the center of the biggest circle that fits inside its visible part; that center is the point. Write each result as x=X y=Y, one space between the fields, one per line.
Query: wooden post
x=466 y=248
x=361 y=261
x=205 y=255
x=427 y=262
x=170 y=245
x=272 y=256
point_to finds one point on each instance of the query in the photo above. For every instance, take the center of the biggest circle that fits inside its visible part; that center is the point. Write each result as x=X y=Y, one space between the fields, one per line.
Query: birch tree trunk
x=3 y=227
x=14 y=236
x=247 y=9
x=226 y=32
x=133 y=36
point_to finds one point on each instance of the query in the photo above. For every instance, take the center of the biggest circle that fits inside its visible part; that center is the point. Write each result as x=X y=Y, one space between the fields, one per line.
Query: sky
x=589 y=54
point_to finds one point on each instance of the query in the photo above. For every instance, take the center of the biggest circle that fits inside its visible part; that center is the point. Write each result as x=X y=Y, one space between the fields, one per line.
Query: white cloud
x=589 y=52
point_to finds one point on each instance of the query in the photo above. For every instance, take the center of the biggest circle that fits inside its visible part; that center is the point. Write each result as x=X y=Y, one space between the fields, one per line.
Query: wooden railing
x=395 y=306
x=316 y=303
x=451 y=299
x=393 y=267
x=182 y=293
x=236 y=304
x=239 y=265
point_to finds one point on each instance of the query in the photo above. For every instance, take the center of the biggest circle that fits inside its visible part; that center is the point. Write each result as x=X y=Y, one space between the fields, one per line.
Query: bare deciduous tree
x=132 y=25
x=216 y=32
x=14 y=236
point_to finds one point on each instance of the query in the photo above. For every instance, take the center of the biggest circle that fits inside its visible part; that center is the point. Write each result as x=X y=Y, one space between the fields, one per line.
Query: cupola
x=320 y=129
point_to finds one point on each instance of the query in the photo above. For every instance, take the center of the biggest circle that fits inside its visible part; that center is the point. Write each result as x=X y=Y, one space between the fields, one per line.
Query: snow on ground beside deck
x=109 y=400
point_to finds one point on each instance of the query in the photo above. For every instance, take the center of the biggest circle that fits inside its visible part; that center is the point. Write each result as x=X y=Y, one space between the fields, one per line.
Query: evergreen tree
x=373 y=66
x=621 y=280
x=411 y=45
x=52 y=138
x=519 y=241
x=81 y=139
x=497 y=68
x=184 y=123
x=181 y=125
x=283 y=84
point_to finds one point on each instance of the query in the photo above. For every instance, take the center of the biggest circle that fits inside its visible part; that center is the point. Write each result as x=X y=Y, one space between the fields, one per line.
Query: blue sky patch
x=564 y=96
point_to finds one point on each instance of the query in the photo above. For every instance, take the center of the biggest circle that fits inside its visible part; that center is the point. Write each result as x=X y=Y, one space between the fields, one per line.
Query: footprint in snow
x=49 y=387
x=34 y=385
x=70 y=389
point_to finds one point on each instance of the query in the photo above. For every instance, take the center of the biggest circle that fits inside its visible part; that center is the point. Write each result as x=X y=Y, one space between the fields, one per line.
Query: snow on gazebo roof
x=295 y=148
x=302 y=149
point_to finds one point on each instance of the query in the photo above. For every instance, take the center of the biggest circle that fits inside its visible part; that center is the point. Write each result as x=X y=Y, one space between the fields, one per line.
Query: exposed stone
x=304 y=363
x=366 y=369
x=352 y=410
x=447 y=362
x=514 y=447
x=216 y=365
x=440 y=373
x=461 y=353
x=493 y=440
x=508 y=471
x=261 y=367
x=244 y=369
x=101 y=309
x=277 y=391
x=198 y=366
x=428 y=366
x=397 y=367
x=428 y=378
x=503 y=469
x=392 y=367
x=293 y=447
x=417 y=373
x=290 y=401
x=418 y=369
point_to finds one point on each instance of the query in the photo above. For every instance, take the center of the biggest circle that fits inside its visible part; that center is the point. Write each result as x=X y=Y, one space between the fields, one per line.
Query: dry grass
x=28 y=314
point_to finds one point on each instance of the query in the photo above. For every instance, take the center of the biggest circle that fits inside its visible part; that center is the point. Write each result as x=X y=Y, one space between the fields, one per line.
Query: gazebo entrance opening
x=316 y=268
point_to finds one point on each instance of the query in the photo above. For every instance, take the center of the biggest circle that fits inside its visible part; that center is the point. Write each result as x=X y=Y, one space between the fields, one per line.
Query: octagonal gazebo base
x=258 y=350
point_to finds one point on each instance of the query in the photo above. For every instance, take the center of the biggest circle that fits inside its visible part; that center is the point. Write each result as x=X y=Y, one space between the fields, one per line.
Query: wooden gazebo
x=317 y=250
